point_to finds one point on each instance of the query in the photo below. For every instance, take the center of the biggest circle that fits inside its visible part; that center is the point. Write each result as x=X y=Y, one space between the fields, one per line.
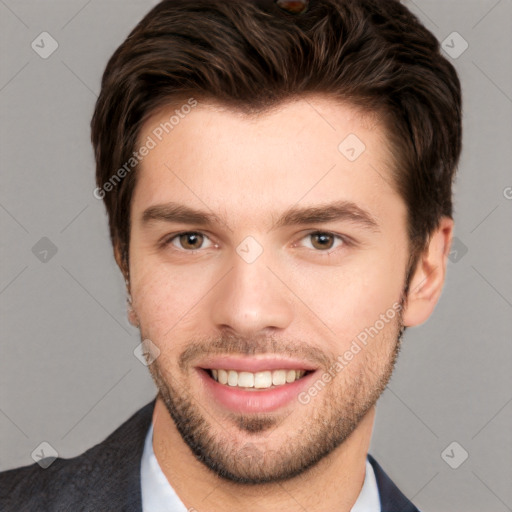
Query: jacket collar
x=391 y=498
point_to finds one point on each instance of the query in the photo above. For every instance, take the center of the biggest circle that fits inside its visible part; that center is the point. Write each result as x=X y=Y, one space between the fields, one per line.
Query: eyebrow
x=175 y=212
x=330 y=212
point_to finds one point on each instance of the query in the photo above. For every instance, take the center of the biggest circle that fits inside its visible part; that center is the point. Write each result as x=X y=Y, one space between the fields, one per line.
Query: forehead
x=309 y=150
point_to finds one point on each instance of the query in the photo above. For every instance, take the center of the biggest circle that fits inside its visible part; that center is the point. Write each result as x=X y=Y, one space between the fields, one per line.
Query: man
x=277 y=177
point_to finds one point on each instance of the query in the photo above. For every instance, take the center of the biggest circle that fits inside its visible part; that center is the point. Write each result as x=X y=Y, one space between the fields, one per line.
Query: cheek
x=353 y=298
x=167 y=299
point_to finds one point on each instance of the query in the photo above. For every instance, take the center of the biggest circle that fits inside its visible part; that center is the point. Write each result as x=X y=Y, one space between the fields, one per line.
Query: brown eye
x=322 y=241
x=191 y=241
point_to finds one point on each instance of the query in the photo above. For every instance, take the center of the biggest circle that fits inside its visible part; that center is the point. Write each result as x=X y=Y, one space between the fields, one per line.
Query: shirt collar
x=159 y=496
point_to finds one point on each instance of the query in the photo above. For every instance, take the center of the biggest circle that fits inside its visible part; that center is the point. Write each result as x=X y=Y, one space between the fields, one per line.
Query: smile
x=254 y=386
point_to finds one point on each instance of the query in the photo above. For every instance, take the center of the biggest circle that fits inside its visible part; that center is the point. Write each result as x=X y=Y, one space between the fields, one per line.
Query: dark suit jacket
x=107 y=478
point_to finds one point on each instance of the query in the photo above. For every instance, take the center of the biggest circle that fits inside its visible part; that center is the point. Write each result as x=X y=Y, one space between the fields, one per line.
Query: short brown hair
x=252 y=55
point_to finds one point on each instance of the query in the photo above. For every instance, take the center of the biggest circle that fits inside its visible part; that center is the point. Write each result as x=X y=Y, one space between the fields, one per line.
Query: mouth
x=245 y=385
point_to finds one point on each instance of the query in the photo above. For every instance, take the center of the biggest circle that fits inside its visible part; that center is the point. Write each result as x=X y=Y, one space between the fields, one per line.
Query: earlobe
x=428 y=278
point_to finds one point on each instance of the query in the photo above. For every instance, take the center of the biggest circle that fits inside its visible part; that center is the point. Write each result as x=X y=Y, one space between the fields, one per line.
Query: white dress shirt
x=159 y=496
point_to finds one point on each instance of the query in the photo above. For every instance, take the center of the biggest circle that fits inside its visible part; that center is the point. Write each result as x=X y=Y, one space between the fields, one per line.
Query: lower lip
x=262 y=400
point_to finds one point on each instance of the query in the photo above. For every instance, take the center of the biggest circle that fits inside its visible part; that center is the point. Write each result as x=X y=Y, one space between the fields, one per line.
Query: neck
x=332 y=485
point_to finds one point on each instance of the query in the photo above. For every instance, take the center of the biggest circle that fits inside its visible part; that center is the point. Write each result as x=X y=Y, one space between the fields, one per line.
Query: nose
x=250 y=300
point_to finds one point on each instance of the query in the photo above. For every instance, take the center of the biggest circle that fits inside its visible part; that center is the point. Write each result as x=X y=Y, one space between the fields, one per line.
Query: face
x=267 y=266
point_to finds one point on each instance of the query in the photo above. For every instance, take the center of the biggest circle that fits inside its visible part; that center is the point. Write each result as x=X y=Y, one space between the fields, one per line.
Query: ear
x=429 y=275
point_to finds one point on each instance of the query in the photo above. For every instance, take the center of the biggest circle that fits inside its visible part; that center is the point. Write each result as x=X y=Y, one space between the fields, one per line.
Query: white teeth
x=232 y=378
x=223 y=376
x=290 y=376
x=257 y=380
x=262 y=380
x=279 y=377
x=245 y=379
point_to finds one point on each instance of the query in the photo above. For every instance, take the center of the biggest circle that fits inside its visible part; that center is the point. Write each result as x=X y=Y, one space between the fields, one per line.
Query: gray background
x=68 y=375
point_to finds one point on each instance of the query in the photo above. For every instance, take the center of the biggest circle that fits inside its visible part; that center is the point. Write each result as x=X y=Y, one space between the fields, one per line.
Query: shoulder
x=391 y=498
x=106 y=474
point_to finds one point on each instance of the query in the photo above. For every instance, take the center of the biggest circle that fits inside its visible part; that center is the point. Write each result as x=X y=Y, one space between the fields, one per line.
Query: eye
x=323 y=241
x=190 y=241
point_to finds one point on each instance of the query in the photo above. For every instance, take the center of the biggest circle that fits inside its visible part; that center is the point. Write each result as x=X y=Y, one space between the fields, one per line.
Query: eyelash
x=345 y=241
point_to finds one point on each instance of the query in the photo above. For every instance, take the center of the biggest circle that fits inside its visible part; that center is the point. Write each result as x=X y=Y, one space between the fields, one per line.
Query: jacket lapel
x=391 y=498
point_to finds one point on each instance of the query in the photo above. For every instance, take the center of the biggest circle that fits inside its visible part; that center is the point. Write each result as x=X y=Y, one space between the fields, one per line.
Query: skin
x=296 y=299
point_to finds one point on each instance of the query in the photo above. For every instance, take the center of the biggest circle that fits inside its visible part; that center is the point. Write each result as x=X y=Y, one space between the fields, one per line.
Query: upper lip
x=254 y=364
